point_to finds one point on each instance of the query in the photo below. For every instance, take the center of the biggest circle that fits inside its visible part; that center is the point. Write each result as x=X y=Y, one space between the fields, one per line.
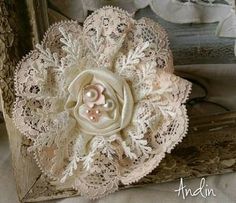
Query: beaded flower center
x=96 y=102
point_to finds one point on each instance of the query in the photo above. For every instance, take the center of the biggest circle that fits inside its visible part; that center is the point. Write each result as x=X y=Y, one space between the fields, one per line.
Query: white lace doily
x=100 y=103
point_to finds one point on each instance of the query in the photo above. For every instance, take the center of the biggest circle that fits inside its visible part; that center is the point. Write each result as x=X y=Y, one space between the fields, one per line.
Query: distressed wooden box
x=210 y=146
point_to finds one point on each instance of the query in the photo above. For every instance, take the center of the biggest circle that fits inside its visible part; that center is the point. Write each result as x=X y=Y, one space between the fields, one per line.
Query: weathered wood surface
x=1 y=118
x=37 y=10
x=208 y=149
x=25 y=169
x=13 y=27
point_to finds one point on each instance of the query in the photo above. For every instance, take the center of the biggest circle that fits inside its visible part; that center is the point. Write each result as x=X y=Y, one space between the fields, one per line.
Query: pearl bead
x=109 y=105
x=92 y=118
x=91 y=95
x=97 y=112
x=87 y=111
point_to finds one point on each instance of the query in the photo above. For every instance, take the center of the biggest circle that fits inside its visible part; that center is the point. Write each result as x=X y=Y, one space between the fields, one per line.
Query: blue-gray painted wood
x=195 y=43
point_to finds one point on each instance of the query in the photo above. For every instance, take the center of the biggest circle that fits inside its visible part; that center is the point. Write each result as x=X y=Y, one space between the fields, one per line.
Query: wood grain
x=209 y=148
x=25 y=169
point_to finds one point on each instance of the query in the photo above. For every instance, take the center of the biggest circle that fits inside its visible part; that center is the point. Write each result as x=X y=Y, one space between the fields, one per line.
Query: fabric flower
x=97 y=105
x=103 y=102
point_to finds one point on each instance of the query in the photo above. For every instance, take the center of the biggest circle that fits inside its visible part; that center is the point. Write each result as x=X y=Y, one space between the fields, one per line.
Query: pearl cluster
x=93 y=114
x=96 y=112
x=93 y=95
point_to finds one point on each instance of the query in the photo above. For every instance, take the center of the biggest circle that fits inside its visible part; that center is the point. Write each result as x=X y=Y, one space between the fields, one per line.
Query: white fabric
x=129 y=5
x=176 y=11
x=189 y=12
x=227 y=25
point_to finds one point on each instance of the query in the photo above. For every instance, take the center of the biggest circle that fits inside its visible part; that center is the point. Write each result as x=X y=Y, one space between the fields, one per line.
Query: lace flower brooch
x=100 y=103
